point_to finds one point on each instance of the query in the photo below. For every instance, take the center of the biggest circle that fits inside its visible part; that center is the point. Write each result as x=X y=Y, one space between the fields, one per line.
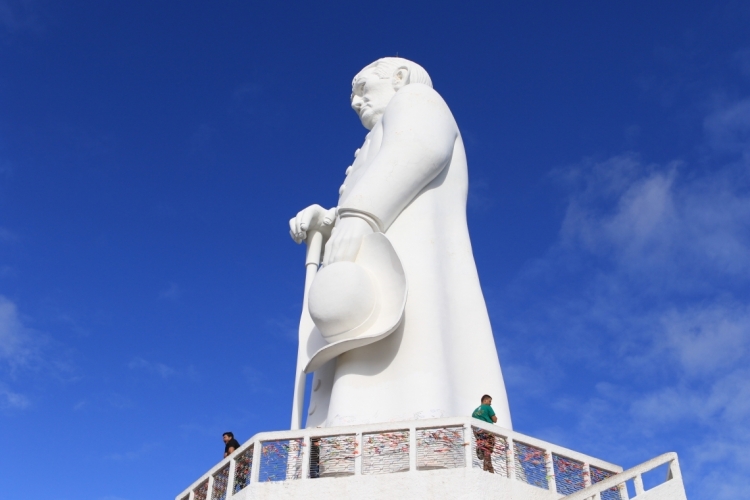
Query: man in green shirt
x=485 y=440
x=485 y=411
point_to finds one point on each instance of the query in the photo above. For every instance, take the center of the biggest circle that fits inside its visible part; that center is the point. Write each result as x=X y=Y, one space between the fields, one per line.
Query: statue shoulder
x=418 y=94
x=419 y=102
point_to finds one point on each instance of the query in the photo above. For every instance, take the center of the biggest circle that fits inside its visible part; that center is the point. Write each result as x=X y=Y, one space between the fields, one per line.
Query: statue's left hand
x=345 y=240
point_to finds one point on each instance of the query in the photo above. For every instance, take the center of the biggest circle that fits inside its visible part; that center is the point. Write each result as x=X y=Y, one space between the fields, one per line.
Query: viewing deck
x=435 y=458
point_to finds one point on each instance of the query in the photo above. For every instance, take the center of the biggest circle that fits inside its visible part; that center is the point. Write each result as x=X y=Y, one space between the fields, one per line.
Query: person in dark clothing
x=314 y=457
x=230 y=443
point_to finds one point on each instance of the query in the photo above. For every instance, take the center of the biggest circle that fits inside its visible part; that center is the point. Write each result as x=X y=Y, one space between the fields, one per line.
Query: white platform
x=422 y=459
x=438 y=484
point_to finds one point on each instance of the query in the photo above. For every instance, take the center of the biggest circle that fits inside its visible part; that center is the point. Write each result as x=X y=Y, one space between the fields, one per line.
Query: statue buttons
x=341 y=189
x=356 y=152
x=348 y=169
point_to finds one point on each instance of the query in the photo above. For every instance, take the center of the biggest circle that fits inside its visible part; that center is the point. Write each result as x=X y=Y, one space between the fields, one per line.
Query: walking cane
x=314 y=243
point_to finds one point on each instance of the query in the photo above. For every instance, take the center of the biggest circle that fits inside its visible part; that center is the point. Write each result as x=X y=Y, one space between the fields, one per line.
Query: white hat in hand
x=354 y=304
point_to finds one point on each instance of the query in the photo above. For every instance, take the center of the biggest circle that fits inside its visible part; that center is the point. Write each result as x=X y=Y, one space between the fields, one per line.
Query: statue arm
x=419 y=133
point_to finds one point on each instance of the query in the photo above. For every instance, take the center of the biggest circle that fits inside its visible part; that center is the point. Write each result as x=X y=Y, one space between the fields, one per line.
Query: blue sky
x=151 y=154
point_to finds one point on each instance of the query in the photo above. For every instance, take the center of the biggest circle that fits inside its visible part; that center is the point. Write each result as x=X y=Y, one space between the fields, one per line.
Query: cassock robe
x=411 y=173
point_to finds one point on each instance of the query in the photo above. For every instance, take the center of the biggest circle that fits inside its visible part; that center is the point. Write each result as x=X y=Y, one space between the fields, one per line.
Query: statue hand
x=345 y=240
x=313 y=217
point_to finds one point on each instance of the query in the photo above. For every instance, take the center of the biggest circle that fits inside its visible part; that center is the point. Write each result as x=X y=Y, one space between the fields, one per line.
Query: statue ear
x=400 y=78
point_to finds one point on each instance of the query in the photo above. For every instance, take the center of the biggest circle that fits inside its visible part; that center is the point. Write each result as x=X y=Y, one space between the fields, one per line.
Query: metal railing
x=400 y=447
x=243 y=464
x=440 y=448
x=333 y=456
x=613 y=487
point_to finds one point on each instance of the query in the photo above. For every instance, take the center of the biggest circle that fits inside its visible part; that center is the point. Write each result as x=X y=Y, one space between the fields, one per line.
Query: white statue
x=395 y=325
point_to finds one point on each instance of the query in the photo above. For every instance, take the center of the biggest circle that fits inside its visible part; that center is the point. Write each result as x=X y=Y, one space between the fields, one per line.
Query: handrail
x=305 y=435
x=632 y=473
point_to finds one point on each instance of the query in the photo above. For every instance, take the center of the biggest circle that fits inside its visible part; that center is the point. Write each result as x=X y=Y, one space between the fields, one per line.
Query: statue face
x=370 y=96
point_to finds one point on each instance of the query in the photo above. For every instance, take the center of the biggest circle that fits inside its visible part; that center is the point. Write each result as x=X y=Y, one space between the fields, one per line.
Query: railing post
x=586 y=475
x=306 y=454
x=230 y=478
x=638 y=482
x=622 y=490
x=294 y=458
x=511 y=460
x=210 y=487
x=674 y=470
x=468 y=435
x=358 y=454
x=255 y=470
x=550 y=465
x=413 y=449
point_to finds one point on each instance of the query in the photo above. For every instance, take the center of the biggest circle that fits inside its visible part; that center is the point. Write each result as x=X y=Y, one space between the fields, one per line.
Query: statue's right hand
x=313 y=217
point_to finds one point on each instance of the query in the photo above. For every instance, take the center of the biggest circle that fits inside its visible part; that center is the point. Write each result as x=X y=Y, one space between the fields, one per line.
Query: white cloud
x=119 y=401
x=285 y=327
x=741 y=59
x=171 y=293
x=12 y=400
x=481 y=196
x=709 y=339
x=640 y=314
x=19 y=15
x=655 y=224
x=7 y=235
x=18 y=345
x=728 y=127
x=24 y=353
x=160 y=369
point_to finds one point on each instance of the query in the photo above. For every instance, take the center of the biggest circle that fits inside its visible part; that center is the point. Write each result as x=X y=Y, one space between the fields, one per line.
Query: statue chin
x=369 y=119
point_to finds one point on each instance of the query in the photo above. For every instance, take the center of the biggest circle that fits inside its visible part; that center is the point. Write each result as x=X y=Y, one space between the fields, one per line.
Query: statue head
x=377 y=83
